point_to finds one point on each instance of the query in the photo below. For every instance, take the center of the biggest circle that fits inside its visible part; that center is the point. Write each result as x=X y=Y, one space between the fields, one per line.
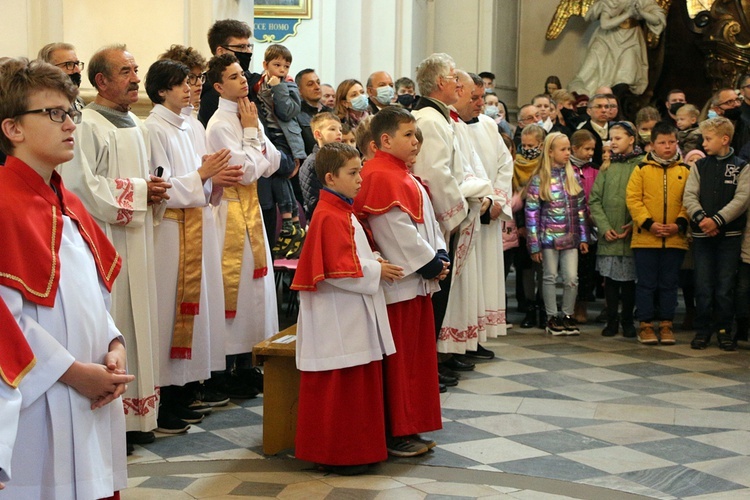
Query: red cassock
x=410 y=380
x=340 y=419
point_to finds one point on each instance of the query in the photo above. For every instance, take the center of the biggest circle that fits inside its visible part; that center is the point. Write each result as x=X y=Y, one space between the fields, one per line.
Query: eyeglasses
x=242 y=47
x=604 y=106
x=57 y=115
x=71 y=65
x=737 y=100
x=196 y=79
x=450 y=77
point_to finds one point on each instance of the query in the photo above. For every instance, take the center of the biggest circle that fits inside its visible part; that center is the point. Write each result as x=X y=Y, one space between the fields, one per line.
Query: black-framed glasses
x=57 y=115
x=737 y=100
x=242 y=47
x=71 y=65
x=196 y=79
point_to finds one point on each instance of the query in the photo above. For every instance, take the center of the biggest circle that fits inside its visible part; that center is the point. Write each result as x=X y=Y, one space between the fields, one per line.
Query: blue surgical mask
x=491 y=110
x=540 y=123
x=712 y=113
x=359 y=103
x=385 y=95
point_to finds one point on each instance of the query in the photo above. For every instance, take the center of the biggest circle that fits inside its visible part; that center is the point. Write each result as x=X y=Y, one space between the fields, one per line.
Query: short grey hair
x=590 y=104
x=429 y=70
x=45 y=53
x=99 y=62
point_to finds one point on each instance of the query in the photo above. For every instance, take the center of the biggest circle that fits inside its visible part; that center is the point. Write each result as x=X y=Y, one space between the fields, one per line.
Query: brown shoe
x=646 y=334
x=666 y=335
x=580 y=312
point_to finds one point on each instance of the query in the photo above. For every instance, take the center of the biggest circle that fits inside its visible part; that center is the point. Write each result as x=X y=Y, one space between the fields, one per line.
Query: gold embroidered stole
x=190 y=221
x=243 y=216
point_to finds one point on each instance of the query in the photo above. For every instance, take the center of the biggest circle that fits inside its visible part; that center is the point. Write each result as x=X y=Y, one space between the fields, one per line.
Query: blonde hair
x=534 y=130
x=690 y=110
x=720 y=125
x=544 y=171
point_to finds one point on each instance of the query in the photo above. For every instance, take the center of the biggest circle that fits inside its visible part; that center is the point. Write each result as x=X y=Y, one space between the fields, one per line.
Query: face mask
x=244 y=59
x=712 y=113
x=645 y=136
x=76 y=78
x=733 y=114
x=385 y=95
x=406 y=100
x=540 y=123
x=675 y=106
x=582 y=110
x=359 y=103
x=530 y=153
x=491 y=111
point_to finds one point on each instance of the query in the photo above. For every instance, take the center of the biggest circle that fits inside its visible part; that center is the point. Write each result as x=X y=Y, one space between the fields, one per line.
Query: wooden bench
x=280 y=391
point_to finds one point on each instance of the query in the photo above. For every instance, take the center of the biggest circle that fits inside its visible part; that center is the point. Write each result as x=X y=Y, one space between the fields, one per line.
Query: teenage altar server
x=56 y=270
x=342 y=331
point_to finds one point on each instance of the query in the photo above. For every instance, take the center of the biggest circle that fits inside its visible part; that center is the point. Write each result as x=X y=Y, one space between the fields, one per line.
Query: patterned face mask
x=530 y=153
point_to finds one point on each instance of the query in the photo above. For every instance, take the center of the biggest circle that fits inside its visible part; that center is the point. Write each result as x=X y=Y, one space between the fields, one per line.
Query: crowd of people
x=140 y=272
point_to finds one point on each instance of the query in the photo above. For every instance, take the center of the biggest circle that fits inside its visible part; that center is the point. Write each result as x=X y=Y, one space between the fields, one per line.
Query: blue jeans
x=658 y=270
x=567 y=261
x=716 y=263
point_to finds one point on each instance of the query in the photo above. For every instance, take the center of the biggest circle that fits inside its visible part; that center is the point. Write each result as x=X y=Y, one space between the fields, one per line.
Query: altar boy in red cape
x=397 y=209
x=342 y=330
x=56 y=270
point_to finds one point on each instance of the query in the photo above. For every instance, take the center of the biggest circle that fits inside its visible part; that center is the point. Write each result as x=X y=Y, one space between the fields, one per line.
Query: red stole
x=16 y=358
x=329 y=250
x=387 y=183
x=31 y=217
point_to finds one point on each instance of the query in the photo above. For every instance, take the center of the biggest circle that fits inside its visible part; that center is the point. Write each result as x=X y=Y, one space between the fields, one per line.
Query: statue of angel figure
x=617 y=50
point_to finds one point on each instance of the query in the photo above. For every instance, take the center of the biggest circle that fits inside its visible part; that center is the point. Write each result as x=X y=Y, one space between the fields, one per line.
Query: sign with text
x=274 y=30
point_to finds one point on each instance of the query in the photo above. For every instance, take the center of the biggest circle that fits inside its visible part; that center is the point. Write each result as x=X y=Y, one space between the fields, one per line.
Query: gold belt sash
x=630 y=23
x=188 y=278
x=243 y=216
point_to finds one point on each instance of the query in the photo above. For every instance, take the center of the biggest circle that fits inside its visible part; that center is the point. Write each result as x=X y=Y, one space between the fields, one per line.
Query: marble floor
x=549 y=417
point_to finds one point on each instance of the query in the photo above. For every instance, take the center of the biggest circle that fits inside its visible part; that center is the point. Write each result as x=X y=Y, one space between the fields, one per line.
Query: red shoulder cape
x=16 y=358
x=329 y=250
x=387 y=183
x=31 y=218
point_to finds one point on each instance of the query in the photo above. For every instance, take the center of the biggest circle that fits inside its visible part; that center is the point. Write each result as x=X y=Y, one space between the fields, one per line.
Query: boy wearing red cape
x=342 y=330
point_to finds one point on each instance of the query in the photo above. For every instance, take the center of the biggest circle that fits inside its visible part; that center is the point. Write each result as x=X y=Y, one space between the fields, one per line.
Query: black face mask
x=406 y=100
x=733 y=114
x=75 y=78
x=675 y=106
x=582 y=110
x=244 y=59
x=567 y=114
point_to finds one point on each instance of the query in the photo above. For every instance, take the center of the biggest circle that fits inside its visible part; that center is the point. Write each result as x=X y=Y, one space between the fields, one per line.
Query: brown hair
x=316 y=122
x=581 y=137
x=186 y=55
x=363 y=134
x=19 y=78
x=331 y=158
x=222 y=31
x=387 y=121
x=341 y=91
x=277 y=51
x=647 y=114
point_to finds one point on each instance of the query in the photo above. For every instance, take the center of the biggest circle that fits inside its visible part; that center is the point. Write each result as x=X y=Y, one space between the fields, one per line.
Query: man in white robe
x=110 y=175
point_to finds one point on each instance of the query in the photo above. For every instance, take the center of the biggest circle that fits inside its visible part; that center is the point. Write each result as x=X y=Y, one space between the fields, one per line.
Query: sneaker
x=295 y=247
x=554 y=326
x=646 y=334
x=480 y=353
x=666 y=335
x=284 y=241
x=570 y=326
x=405 y=447
x=429 y=443
x=199 y=406
x=169 y=424
x=213 y=398
x=187 y=415
x=725 y=340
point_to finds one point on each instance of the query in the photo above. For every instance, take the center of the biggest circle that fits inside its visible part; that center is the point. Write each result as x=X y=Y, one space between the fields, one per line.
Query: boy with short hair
x=71 y=431
x=347 y=135
x=326 y=128
x=365 y=143
x=246 y=255
x=716 y=197
x=343 y=330
x=688 y=137
x=279 y=103
x=654 y=199
x=397 y=209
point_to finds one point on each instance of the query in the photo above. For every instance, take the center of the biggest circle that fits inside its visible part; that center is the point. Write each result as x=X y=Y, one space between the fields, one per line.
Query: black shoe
x=199 y=406
x=542 y=318
x=443 y=388
x=481 y=353
x=344 y=470
x=169 y=424
x=725 y=340
x=138 y=437
x=529 y=321
x=253 y=377
x=130 y=448
x=628 y=329
x=570 y=326
x=458 y=365
x=554 y=326
x=700 y=342
x=444 y=370
x=212 y=398
x=447 y=381
x=186 y=414
x=611 y=329
x=235 y=388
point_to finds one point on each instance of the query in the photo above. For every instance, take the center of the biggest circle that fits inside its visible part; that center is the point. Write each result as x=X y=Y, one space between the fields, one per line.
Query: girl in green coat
x=614 y=259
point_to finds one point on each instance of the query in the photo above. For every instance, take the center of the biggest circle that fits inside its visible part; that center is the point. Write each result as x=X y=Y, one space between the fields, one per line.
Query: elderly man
x=110 y=175
x=311 y=93
x=598 y=124
x=329 y=95
x=380 y=90
x=527 y=115
x=63 y=55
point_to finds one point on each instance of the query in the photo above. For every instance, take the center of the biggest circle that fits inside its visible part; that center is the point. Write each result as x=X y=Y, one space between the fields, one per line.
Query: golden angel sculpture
x=617 y=50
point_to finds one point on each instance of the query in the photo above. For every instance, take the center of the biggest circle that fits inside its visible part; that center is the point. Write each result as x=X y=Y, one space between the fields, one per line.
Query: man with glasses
x=63 y=55
x=598 y=124
x=742 y=126
x=110 y=174
x=527 y=115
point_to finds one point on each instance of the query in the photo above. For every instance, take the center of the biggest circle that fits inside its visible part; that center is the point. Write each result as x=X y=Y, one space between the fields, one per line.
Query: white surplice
x=63 y=448
x=172 y=148
x=109 y=174
x=257 y=316
x=10 y=407
x=498 y=166
x=344 y=322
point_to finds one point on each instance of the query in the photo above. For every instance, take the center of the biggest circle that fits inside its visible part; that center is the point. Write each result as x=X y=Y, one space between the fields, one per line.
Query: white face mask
x=491 y=110
x=385 y=95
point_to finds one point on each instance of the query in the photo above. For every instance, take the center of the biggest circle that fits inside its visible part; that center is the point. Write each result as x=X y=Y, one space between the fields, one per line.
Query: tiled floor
x=576 y=417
